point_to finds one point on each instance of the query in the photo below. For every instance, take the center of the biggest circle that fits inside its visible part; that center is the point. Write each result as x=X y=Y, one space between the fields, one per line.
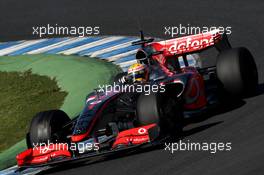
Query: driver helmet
x=138 y=72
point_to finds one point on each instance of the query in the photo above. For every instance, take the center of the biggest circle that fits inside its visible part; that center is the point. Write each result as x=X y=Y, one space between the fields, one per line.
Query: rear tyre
x=237 y=71
x=46 y=127
x=162 y=110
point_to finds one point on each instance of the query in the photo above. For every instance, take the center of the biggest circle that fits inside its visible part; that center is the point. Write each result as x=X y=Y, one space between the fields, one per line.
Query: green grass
x=21 y=96
x=75 y=75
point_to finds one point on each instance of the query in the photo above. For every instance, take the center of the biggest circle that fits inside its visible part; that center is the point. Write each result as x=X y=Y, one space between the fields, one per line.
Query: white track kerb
x=115 y=49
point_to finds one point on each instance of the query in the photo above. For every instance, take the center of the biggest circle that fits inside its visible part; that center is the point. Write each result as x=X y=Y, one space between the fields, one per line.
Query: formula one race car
x=120 y=119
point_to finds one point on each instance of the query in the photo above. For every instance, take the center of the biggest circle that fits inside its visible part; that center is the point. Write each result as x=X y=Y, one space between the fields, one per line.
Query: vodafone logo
x=142 y=131
x=189 y=44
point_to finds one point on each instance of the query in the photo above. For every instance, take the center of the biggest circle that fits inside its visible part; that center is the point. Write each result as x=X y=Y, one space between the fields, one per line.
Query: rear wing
x=193 y=43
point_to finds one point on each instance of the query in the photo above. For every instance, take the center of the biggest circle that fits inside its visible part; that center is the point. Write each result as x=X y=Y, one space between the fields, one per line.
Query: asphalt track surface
x=243 y=126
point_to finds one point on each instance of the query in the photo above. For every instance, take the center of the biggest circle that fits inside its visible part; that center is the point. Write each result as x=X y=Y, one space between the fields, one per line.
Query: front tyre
x=162 y=110
x=46 y=128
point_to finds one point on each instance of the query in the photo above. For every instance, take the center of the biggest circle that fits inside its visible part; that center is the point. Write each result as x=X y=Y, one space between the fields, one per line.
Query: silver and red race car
x=118 y=121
